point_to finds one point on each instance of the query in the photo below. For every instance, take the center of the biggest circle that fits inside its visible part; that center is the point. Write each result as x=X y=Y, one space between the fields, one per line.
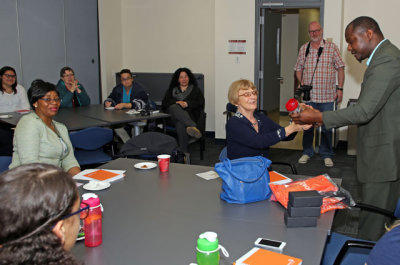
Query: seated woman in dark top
x=185 y=102
x=250 y=133
x=386 y=250
x=72 y=93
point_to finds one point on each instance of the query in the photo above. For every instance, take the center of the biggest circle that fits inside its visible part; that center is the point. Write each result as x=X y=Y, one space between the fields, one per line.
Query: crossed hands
x=183 y=104
x=73 y=86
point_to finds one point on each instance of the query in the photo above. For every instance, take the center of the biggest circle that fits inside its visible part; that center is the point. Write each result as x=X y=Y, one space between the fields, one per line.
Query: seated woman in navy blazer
x=250 y=133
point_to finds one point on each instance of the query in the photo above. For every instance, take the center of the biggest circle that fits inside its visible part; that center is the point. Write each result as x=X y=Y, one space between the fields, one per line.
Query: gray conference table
x=72 y=121
x=115 y=117
x=155 y=218
x=89 y=116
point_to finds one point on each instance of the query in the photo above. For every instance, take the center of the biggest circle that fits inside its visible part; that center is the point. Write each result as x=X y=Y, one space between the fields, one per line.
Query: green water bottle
x=208 y=249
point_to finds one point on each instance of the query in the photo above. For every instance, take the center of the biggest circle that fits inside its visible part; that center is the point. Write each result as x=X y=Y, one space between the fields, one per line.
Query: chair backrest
x=91 y=138
x=5 y=161
x=156 y=84
x=397 y=210
x=223 y=154
x=149 y=143
x=231 y=109
x=345 y=250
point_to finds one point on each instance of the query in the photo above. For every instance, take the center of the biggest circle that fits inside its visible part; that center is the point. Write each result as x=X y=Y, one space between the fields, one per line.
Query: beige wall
x=234 y=20
x=306 y=16
x=110 y=42
x=160 y=36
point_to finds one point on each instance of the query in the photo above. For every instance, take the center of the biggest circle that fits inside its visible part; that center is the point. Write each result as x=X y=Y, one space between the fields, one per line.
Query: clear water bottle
x=208 y=249
x=93 y=223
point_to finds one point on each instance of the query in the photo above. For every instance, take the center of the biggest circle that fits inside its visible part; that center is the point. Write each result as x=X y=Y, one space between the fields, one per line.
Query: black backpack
x=150 y=144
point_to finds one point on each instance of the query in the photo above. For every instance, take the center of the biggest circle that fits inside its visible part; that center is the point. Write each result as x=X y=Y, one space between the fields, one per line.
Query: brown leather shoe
x=194 y=132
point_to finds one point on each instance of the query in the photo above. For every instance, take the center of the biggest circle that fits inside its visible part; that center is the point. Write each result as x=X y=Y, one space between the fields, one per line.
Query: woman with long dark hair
x=40 y=211
x=185 y=102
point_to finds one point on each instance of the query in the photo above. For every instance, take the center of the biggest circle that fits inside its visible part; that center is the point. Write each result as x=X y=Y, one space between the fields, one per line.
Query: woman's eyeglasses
x=10 y=76
x=55 y=100
x=248 y=94
x=83 y=212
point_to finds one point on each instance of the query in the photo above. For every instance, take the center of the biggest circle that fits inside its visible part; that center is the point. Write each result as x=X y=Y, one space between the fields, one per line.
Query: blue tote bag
x=245 y=179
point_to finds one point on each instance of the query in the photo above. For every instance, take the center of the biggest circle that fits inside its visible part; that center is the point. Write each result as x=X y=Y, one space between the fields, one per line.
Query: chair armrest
x=352 y=244
x=292 y=167
x=375 y=209
x=201 y=122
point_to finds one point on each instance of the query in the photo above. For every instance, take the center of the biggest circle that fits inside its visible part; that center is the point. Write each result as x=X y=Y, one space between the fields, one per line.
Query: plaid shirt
x=324 y=82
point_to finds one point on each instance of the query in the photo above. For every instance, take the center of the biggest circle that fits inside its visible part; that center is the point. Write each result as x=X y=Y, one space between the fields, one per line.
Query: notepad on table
x=259 y=256
x=100 y=174
x=277 y=178
x=208 y=175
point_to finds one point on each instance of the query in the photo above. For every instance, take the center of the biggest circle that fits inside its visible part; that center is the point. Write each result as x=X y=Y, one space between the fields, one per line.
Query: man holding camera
x=318 y=63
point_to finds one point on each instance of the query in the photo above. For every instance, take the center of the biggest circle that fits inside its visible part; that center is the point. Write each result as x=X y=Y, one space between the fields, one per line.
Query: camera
x=144 y=112
x=303 y=89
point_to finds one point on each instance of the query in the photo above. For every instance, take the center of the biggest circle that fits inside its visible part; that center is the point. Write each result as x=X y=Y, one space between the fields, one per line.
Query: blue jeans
x=325 y=149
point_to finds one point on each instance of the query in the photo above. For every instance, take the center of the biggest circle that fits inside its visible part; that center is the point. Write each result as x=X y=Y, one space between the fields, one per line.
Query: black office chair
x=229 y=112
x=346 y=250
x=149 y=145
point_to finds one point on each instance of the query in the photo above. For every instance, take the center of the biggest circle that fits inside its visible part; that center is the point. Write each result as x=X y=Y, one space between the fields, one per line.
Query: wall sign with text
x=237 y=47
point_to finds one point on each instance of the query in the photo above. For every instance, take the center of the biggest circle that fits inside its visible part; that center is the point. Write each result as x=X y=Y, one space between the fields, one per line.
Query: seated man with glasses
x=72 y=93
x=40 y=139
x=250 y=133
x=40 y=209
x=127 y=95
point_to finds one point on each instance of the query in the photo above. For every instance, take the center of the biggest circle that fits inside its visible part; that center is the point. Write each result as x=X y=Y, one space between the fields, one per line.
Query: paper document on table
x=277 y=178
x=132 y=111
x=208 y=175
x=100 y=174
x=258 y=256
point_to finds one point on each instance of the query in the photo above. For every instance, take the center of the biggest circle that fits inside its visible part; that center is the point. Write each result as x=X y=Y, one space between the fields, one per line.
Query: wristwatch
x=339 y=88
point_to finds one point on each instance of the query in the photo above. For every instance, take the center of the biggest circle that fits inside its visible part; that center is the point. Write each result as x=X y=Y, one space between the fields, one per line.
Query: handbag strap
x=228 y=166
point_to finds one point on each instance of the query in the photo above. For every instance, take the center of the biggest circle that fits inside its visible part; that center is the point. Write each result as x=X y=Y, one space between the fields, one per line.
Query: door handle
x=278 y=44
x=280 y=78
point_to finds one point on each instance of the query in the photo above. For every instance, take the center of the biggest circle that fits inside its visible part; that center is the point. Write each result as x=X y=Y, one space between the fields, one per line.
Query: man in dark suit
x=377 y=114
